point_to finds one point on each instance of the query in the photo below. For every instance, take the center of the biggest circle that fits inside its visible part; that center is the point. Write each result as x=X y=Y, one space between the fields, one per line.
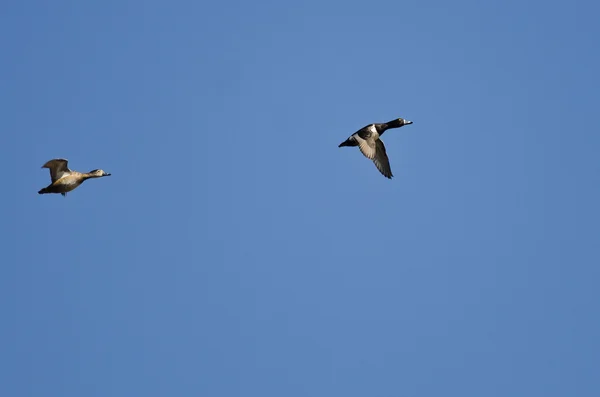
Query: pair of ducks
x=368 y=140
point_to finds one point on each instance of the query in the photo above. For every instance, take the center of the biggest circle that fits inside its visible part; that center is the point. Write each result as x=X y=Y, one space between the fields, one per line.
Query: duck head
x=400 y=122
x=98 y=174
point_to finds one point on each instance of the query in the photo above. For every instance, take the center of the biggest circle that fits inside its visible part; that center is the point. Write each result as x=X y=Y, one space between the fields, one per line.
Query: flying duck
x=370 y=144
x=64 y=180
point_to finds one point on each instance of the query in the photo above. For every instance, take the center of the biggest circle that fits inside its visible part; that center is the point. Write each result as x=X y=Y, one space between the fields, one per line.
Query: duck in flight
x=370 y=144
x=64 y=180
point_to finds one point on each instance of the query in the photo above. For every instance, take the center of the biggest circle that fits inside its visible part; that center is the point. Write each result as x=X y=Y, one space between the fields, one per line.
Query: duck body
x=64 y=185
x=64 y=180
x=368 y=140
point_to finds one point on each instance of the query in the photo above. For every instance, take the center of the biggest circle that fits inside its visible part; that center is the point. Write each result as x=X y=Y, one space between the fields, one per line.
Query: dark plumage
x=368 y=141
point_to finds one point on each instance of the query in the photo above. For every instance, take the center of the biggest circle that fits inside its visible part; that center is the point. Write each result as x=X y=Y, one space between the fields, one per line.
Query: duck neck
x=383 y=127
x=87 y=175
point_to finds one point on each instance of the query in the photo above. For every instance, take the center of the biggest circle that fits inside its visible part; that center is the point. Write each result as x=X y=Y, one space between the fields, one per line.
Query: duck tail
x=348 y=142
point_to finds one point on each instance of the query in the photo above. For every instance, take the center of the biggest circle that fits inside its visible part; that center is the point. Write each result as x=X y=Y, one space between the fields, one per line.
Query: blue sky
x=237 y=251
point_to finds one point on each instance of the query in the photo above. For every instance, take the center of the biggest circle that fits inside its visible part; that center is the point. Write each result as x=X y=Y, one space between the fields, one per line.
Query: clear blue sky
x=237 y=251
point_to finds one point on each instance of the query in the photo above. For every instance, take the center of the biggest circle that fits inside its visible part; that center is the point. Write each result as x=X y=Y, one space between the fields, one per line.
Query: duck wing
x=367 y=146
x=58 y=168
x=381 y=160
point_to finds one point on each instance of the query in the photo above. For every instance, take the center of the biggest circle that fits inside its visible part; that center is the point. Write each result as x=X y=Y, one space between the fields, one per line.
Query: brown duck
x=64 y=180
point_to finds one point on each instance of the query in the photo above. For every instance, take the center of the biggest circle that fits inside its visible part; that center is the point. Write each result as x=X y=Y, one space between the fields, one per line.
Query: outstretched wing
x=381 y=160
x=58 y=168
x=366 y=146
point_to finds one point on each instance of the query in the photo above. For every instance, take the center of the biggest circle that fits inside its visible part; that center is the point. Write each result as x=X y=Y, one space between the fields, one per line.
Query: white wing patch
x=366 y=146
